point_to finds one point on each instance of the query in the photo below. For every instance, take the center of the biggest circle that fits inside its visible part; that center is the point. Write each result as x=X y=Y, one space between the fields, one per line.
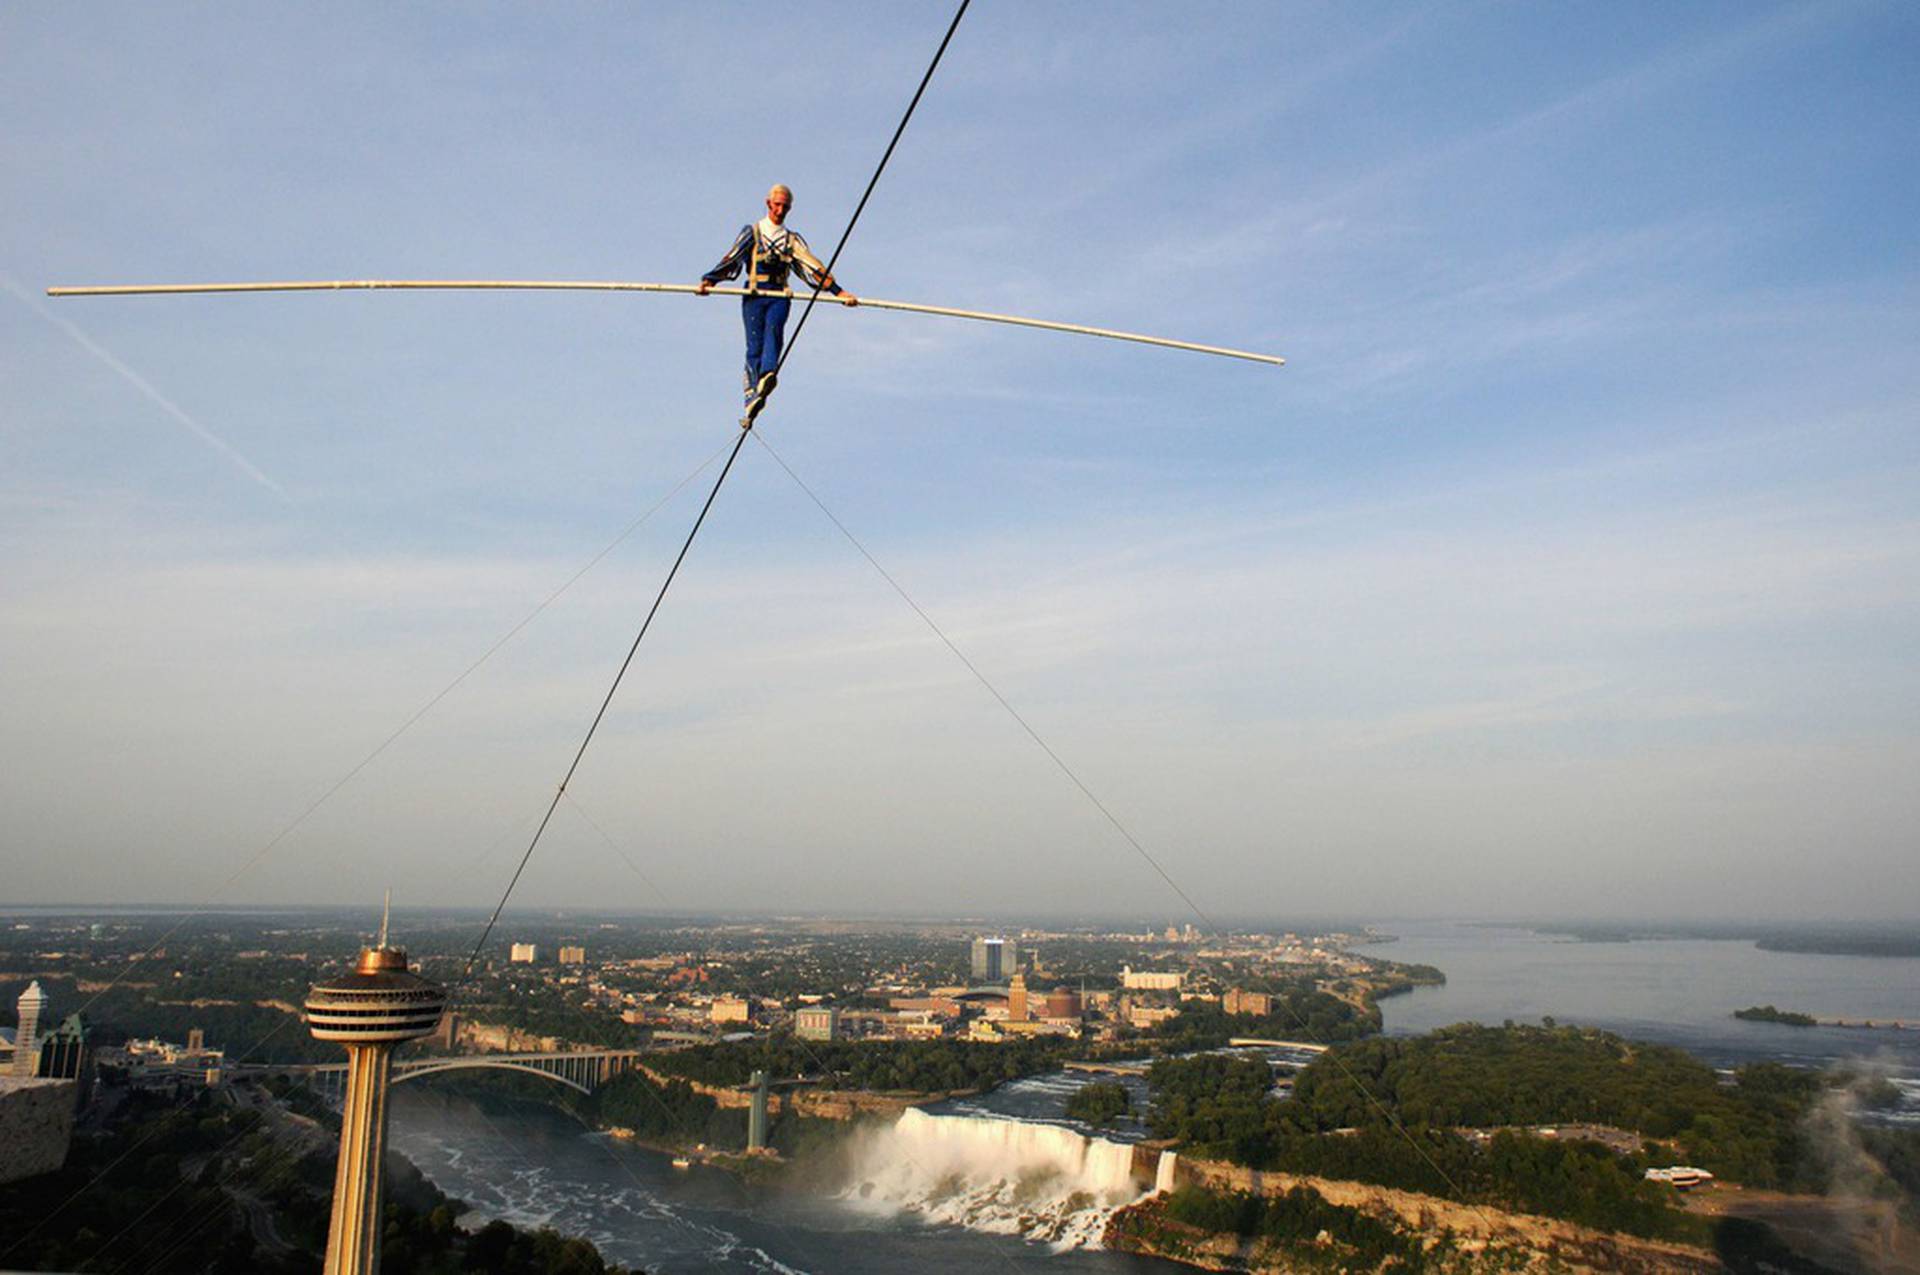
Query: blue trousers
x=766 y=320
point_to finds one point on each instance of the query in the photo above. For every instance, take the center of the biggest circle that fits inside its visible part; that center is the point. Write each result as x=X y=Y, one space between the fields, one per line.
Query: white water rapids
x=1010 y=1177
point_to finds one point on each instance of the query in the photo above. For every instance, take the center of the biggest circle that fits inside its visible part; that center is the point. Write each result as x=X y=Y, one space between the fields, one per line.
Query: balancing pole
x=538 y=285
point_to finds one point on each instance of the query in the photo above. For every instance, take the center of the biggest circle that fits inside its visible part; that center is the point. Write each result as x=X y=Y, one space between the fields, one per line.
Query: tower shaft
x=757 y=1114
x=353 y=1235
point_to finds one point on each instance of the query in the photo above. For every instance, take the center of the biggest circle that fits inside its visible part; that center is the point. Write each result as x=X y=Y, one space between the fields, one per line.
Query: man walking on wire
x=769 y=252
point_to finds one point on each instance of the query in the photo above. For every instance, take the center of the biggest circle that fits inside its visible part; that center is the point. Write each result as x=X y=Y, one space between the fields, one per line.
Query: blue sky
x=1569 y=566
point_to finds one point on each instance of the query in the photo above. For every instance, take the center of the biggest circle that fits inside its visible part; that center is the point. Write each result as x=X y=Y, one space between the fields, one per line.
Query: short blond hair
x=780 y=188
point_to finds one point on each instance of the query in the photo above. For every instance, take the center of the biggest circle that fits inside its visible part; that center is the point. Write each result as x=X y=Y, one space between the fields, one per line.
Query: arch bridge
x=582 y=1070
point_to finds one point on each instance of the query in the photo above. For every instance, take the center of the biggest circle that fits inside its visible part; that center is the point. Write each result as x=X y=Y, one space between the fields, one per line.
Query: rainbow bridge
x=583 y=1070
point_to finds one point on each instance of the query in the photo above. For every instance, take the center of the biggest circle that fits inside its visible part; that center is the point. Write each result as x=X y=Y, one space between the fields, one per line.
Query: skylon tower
x=370 y=1011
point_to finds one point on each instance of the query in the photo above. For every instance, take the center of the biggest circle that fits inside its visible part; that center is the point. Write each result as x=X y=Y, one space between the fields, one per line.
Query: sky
x=1568 y=568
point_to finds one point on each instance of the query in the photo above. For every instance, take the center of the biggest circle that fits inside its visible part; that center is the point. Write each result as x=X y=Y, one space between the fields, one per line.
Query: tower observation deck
x=373 y=1009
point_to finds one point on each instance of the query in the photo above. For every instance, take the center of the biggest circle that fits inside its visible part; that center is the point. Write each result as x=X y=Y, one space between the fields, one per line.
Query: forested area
x=189 y=1185
x=1102 y=1102
x=1898 y=1152
x=1491 y=1078
x=1485 y=1077
x=550 y=1013
x=674 y=1112
x=677 y=1115
x=1395 y=977
x=1299 y=1013
x=1769 y=1014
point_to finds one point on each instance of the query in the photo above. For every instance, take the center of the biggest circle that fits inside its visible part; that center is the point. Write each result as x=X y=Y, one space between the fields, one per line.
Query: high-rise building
x=573 y=954
x=66 y=1053
x=370 y=1011
x=26 y=1038
x=1017 y=1000
x=994 y=960
x=524 y=954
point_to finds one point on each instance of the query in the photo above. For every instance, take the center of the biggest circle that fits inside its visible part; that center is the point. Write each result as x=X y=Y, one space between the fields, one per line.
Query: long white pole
x=340 y=285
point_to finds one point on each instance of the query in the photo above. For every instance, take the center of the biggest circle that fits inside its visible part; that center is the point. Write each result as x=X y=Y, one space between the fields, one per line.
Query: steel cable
x=652 y=611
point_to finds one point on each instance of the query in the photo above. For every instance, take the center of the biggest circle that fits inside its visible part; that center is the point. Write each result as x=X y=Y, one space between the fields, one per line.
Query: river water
x=1673 y=991
x=535 y=1167
x=1004 y=1182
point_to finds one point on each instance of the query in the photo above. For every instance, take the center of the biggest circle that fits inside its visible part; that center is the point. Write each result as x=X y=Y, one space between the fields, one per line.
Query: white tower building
x=26 y=1040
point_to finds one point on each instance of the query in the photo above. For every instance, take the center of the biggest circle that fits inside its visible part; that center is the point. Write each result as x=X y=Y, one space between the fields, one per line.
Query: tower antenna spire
x=386 y=911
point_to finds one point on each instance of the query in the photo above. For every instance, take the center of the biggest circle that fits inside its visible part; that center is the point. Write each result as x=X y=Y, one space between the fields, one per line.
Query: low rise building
x=1150 y=1016
x=729 y=1009
x=922 y=1028
x=1042 y=1027
x=573 y=954
x=816 y=1022
x=1239 y=1002
x=1149 y=980
x=524 y=954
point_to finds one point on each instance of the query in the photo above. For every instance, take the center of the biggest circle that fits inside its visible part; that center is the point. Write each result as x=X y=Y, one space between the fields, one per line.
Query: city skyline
x=1568 y=564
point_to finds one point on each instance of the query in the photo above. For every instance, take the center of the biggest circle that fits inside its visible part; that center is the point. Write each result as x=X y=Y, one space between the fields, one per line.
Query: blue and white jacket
x=769 y=253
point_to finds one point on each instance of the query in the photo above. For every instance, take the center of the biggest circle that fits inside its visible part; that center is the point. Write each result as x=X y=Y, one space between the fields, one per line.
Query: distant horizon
x=1132 y=922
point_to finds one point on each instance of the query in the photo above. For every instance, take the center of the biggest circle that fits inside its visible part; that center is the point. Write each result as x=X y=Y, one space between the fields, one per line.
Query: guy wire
x=785 y=354
x=1332 y=1054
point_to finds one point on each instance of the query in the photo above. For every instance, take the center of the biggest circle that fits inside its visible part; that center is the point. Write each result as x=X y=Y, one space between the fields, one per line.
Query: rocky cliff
x=1483 y=1238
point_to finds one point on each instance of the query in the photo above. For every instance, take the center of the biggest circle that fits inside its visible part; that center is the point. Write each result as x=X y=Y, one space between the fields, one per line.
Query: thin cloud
x=1590 y=103
x=139 y=382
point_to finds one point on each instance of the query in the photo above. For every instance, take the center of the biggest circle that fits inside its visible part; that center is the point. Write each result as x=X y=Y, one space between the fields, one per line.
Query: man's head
x=779 y=201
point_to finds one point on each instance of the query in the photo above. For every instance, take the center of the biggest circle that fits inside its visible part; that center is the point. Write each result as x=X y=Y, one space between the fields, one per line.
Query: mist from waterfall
x=1013 y=1177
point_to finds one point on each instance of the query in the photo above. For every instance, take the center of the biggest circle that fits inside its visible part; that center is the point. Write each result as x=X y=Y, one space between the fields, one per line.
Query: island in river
x=1768 y=1014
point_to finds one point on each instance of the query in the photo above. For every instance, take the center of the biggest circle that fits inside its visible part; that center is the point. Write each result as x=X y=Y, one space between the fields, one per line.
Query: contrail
x=141 y=383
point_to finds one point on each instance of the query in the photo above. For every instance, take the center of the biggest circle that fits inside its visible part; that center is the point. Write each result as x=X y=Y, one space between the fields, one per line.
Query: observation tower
x=372 y=1010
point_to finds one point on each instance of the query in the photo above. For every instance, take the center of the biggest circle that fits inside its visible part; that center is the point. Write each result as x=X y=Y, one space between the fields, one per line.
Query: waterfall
x=1013 y=1177
x=1163 y=1171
